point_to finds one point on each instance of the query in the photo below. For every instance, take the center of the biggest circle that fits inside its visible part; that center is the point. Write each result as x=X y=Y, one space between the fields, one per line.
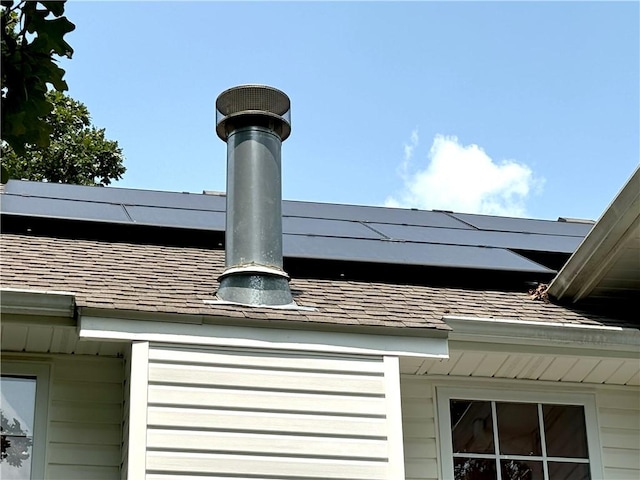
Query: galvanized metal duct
x=254 y=120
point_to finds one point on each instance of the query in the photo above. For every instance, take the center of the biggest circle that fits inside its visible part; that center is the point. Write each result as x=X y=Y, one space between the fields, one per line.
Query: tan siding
x=125 y=414
x=619 y=417
x=85 y=415
x=418 y=421
x=618 y=412
x=221 y=412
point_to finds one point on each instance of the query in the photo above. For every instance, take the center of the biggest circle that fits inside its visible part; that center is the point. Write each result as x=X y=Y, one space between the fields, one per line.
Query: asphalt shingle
x=154 y=278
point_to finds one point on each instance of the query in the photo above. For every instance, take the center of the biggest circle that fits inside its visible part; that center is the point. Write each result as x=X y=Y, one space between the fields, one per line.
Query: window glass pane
x=521 y=470
x=17 y=415
x=474 y=469
x=565 y=431
x=569 y=471
x=471 y=427
x=518 y=428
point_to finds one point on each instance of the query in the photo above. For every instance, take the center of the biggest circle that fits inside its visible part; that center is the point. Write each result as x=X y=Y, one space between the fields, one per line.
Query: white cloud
x=464 y=179
x=408 y=153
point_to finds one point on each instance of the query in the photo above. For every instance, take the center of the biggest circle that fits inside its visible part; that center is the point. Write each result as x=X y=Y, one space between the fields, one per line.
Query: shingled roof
x=130 y=277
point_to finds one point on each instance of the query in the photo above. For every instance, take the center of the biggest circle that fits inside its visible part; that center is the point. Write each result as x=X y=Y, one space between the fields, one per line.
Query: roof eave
x=618 y=226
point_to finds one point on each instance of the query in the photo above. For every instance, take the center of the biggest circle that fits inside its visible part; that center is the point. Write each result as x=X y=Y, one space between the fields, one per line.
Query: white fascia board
x=617 y=226
x=599 y=338
x=41 y=303
x=119 y=329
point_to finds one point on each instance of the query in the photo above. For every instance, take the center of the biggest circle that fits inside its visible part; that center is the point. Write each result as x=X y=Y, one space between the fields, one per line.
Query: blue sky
x=510 y=108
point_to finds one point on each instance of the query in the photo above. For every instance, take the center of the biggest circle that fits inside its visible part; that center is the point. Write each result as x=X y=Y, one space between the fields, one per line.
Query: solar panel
x=126 y=196
x=384 y=251
x=174 y=217
x=370 y=214
x=480 y=238
x=330 y=228
x=56 y=208
x=508 y=224
x=319 y=230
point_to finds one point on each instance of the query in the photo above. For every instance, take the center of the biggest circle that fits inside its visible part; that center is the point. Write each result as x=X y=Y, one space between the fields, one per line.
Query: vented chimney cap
x=253 y=105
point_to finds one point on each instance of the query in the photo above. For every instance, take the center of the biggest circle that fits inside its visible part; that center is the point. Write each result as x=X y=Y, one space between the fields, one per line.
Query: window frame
x=445 y=393
x=42 y=374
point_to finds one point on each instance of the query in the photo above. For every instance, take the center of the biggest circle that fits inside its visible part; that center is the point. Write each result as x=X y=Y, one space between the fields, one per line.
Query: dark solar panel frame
x=318 y=230
x=479 y=238
x=435 y=255
x=519 y=225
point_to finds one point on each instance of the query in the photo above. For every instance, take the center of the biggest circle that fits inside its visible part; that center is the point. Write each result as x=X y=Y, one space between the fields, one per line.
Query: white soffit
x=607 y=262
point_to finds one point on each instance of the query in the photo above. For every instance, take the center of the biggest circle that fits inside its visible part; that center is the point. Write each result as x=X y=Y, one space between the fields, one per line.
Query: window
x=517 y=436
x=24 y=391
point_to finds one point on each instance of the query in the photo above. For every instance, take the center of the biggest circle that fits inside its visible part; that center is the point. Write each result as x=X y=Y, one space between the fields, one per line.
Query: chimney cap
x=253 y=105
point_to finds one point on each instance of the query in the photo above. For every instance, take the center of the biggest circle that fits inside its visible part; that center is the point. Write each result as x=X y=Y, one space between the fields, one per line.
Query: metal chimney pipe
x=254 y=120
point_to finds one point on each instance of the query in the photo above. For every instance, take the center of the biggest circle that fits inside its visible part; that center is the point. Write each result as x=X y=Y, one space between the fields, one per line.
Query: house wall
x=84 y=415
x=617 y=411
x=221 y=412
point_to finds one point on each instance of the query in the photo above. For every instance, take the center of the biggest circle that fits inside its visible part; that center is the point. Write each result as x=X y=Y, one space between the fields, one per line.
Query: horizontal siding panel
x=617 y=418
x=420 y=448
x=620 y=474
x=89 y=369
x=264 y=379
x=418 y=407
x=618 y=438
x=89 y=455
x=265 y=466
x=423 y=469
x=219 y=413
x=418 y=424
x=88 y=433
x=276 y=401
x=66 y=390
x=266 y=422
x=297 y=445
x=627 y=400
x=415 y=387
x=80 y=472
x=80 y=412
x=622 y=458
x=292 y=362
x=419 y=428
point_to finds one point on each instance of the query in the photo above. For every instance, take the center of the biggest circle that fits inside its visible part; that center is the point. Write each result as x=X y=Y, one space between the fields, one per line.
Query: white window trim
x=444 y=394
x=41 y=372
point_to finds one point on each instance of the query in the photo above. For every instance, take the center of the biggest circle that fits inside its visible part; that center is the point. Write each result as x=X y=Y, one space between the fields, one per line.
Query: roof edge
x=595 y=254
x=48 y=303
x=600 y=338
x=242 y=336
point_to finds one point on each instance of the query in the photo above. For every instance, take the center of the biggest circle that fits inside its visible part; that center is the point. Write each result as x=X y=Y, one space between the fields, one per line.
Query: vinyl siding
x=619 y=419
x=85 y=415
x=618 y=413
x=223 y=413
x=419 y=429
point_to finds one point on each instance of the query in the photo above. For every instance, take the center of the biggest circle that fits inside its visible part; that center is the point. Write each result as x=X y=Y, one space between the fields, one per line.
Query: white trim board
x=546 y=334
x=102 y=328
x=471 y=392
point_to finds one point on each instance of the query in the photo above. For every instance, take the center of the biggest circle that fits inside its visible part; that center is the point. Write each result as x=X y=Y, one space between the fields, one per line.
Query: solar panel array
x=319 y=230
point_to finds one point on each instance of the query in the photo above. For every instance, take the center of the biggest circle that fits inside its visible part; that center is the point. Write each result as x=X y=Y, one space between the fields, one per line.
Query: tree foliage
x=32 y=37
x=14 y=444
x=77 y=153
